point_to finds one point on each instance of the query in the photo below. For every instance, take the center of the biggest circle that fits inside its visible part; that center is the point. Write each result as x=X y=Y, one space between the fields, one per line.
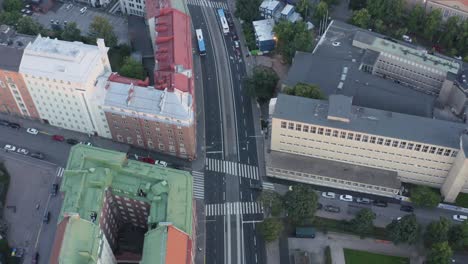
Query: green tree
x=271 y=228
x=12 y=5
x=415 y=21
x=301 y=203
x=292 y=37
x=71 y=32
x=376 y=8
x=132 y=69
x=451 y=29
x=406 y=230
x=320 y=11
x=361 y=18
x=247 y=10
x=380 y=26
x=357 y=4
x=26 y=25
x=262 y=84
x=9 y=18
x=461 y=40
x=272 y=203
x=303 y=7
x=458 y=236
x=101 y=28
x=432 y=24
x=306 y=90
x=393 y=13
x=425 y=196
x=437 y=232
x=440 y=253
x=362 y=223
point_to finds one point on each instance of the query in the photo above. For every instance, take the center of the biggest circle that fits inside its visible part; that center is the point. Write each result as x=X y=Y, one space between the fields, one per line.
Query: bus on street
x=224 y=23
x=201 y=42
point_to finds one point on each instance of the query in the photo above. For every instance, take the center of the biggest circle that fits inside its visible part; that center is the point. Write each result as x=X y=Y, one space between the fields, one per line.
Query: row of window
x=410 y=62
x=161 y=145
x=368 y=139
x=402 y=78
x=396 y=67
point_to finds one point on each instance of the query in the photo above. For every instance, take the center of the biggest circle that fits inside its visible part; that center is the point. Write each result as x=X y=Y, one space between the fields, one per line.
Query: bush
x=249 y=36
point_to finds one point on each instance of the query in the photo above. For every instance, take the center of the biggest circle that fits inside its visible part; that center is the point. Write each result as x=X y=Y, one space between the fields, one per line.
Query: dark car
x=380 y=203
x=58 y=138
x=319 y=206
x=407 y=208
x=72 y=141
x=332 y=209
x=4 y=123
x=35 y=258
x=256 y=186
x=46 y=218
x=37 y=155
x=54 y=189
x=14 y=125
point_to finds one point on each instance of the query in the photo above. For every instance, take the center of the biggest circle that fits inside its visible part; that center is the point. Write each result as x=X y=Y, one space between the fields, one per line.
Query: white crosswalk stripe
x=208 y=3
x=60 y=171
x=233 y=208
x=268 y=186
x=198 y=185
x=232 y=168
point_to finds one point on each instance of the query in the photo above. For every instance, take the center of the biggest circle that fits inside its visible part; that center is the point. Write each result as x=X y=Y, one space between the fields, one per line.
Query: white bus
x=224 y=23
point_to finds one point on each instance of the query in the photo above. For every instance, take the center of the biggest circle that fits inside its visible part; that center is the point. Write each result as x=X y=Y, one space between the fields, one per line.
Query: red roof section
x=115 y=77
x=179 y=247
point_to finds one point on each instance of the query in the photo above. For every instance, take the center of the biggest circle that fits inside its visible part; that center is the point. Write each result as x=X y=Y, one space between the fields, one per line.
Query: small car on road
x=380 y=203
x=256 y=186
x=329 y=195
x=332 y=209
x=346 y=198
x=460 y=218
x=23 y=151
x=32 y=131
x=37 y=155
x=9 y=148
x=362 y=200
x=14 y=125
x=83 y=10
x=72 y=141
x=4 y=123
x=58 y=138
x=54 y=189
x=407 y=208
x=147 y=160
x=161 y=163
x=46 y=217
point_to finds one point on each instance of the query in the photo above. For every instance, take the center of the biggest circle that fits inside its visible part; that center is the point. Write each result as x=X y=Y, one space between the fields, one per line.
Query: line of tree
x=292 y=37
x=262 y=83
x=391 y=18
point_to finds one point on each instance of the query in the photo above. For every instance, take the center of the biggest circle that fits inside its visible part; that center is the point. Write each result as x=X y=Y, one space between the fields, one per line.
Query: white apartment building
x=59 y=75
x=420 y=150
x=133 y=7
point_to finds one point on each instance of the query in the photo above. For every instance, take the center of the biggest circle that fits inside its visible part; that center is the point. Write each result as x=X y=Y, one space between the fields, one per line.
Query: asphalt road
x=230 y=136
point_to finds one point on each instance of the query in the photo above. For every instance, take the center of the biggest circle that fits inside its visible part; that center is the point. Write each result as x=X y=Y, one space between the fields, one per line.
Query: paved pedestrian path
x=232 y=168
x=243 y=208
x=208 y=3
x=198 y=184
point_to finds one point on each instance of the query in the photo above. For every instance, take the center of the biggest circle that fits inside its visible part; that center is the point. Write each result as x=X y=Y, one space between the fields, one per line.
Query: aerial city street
x=234 y=131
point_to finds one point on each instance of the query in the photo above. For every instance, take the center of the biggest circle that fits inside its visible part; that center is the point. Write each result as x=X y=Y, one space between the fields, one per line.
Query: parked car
x=37 y=155
x=46 y=218
x=72 y=141
x=380 y=203
x=346 y=198
x=363 y=200
x=23 y=151
x=407 y=208
x=256 y=186
x=161 y=163
x=83 y=10
x=86 y=143
x=319 y=206
x=147 y=160
x=58 y=138
x=69 y=6
x=35 y=258
x=32 y=131
x=399 y=218
x=460 y=218
x=236 y=44
x=4 y=123
x=9 y=148
x=332 y=209
x=54 y=189
x=14 y=125
x=329 y=195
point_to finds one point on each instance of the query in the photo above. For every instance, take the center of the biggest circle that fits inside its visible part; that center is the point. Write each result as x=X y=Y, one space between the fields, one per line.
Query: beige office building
x=416 y=149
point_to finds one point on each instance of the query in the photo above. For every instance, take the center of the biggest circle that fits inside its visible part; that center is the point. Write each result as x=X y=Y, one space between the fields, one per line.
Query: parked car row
x=152 y=161
x=70 y=141
x=9 y=124
x=23 y=151
x=350 y=198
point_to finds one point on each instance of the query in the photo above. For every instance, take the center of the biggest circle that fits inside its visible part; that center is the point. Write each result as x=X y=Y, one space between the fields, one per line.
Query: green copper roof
x=90 y=171
x=155 y=245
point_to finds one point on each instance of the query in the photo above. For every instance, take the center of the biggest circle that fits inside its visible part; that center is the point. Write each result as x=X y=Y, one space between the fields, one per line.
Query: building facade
x=421 y=150
x=448 y=8
x=58 y=75
x=133 y=7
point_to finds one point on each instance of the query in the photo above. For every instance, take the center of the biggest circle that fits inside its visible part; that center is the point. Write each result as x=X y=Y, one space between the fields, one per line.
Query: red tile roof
x=179 y=247
x=59 y=234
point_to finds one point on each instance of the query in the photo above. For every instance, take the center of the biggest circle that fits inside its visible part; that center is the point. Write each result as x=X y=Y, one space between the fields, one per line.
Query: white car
x=23 y=151
x=399 y=218
x=329 y=195
x=346 y=198
x=32 y=131
x=236 y=43
x=161 y=163
x=9 y=148
x=460 y=218
x=83 y=10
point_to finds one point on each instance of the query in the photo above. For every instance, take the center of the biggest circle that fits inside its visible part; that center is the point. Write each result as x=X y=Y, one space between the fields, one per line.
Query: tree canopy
x=26 y=25
x=12 y=5
x=303 y=7
x=132 y=69
x=301 y=203
x=433 y=23
x=101 y=28
x=247 y=10
x=262 y=84
x=271 y=228
x=292 y=37
x=272 y=203
x=320 y=11
x=458 y=236
x=440 y=253
x=362 y=223
x=305 y=90
x=406 y=230
x=361 y=18
x=416 y=19
x=424 y=196
x=9 y=18
x=71 y=32
x=437 y=232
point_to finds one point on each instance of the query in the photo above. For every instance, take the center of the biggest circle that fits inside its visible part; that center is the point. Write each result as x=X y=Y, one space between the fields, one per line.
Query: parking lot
x=28 y=199
x=73 y=14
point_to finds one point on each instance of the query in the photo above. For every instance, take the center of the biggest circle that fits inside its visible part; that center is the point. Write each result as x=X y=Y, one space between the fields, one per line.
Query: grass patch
x=363 y=257
x=328 y=258
x=342 y=226
x=462 y=200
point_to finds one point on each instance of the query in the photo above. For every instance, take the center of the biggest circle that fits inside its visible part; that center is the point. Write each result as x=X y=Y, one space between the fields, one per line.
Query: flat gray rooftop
x=326 y=65
x=333 y=169
x=372 y=121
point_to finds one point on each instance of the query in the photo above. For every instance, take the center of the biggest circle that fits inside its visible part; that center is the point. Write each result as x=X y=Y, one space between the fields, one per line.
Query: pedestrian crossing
x=208 y=3
x=59 y=172
x=233 y=208
x=233 y=168
x=198 y=184
x=268 y=186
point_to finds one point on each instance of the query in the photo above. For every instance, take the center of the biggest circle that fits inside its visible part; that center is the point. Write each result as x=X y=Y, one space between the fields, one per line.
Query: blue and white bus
x=224 y=23
x=201 y=42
